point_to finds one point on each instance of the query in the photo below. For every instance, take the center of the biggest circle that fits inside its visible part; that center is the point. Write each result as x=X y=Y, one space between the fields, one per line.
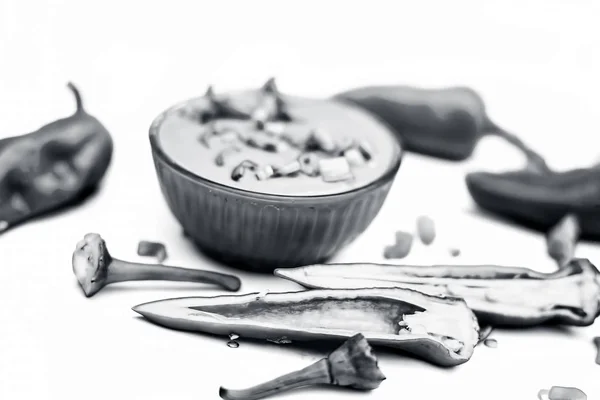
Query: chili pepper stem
x=95 y=268
x=314 y=374
x=352 y=364
x=78 y=100
x=125 y=271
x=535 y=161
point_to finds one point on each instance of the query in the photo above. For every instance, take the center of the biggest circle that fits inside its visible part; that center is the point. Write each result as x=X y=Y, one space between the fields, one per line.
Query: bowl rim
x=158 y=151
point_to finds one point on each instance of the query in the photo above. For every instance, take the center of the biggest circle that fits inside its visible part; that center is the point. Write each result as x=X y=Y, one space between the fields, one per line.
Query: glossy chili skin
x=540 y=201
x=445 y=123
x=56 y=166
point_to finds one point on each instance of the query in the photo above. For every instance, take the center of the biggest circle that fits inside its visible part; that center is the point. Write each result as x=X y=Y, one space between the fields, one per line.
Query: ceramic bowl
x=259 y=231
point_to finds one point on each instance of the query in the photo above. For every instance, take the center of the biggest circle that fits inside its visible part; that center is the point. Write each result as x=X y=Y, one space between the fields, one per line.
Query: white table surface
x=534 y=62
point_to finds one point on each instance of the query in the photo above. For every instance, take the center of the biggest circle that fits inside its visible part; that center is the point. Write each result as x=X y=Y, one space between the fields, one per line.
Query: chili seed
x=281 y=340
x=3 y=226
x=484 y=332
x=233 y=336
x=354 y=157
x=491 y=343
x=233 y=344
x=335 y=169
x=566 y=393
x=453 y=344
x=426 y=229
x=309 y=164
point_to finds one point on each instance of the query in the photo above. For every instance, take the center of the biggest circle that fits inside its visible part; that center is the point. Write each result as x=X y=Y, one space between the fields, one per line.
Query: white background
x=534 y=62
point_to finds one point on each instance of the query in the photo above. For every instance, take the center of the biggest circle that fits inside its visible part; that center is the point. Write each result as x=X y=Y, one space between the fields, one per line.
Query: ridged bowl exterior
x=261 y=232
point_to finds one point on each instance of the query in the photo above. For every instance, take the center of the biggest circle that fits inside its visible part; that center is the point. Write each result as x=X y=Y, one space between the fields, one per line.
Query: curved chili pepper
x=445 y=123
x=540 y=201
x=56 y=166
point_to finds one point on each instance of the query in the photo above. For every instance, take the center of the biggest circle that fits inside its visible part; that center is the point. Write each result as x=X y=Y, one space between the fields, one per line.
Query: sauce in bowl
x=266 y=142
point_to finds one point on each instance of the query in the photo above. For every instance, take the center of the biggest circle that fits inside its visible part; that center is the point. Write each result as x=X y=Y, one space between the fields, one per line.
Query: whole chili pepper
x=540 y=201
x=56 y=166
x=445 y=123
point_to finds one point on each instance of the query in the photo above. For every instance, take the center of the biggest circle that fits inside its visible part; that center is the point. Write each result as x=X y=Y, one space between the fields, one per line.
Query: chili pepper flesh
x=443 y=331
x=498 y=295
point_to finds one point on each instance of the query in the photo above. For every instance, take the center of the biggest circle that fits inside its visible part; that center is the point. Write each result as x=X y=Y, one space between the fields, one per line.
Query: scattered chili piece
x=152 y=249
x=354 y=156
x=264 y=172
x=309 y=164
x=426 y=229
x=288 y=169
x=220 y=158
x=401 y=248
x=321 y=140
x=335 y=169
x=562 y=239
x=597 y=343
x=566 y=393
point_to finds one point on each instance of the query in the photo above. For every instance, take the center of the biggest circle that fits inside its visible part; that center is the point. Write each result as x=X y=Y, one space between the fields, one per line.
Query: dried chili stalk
x=95 y=268
x=352 y=365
